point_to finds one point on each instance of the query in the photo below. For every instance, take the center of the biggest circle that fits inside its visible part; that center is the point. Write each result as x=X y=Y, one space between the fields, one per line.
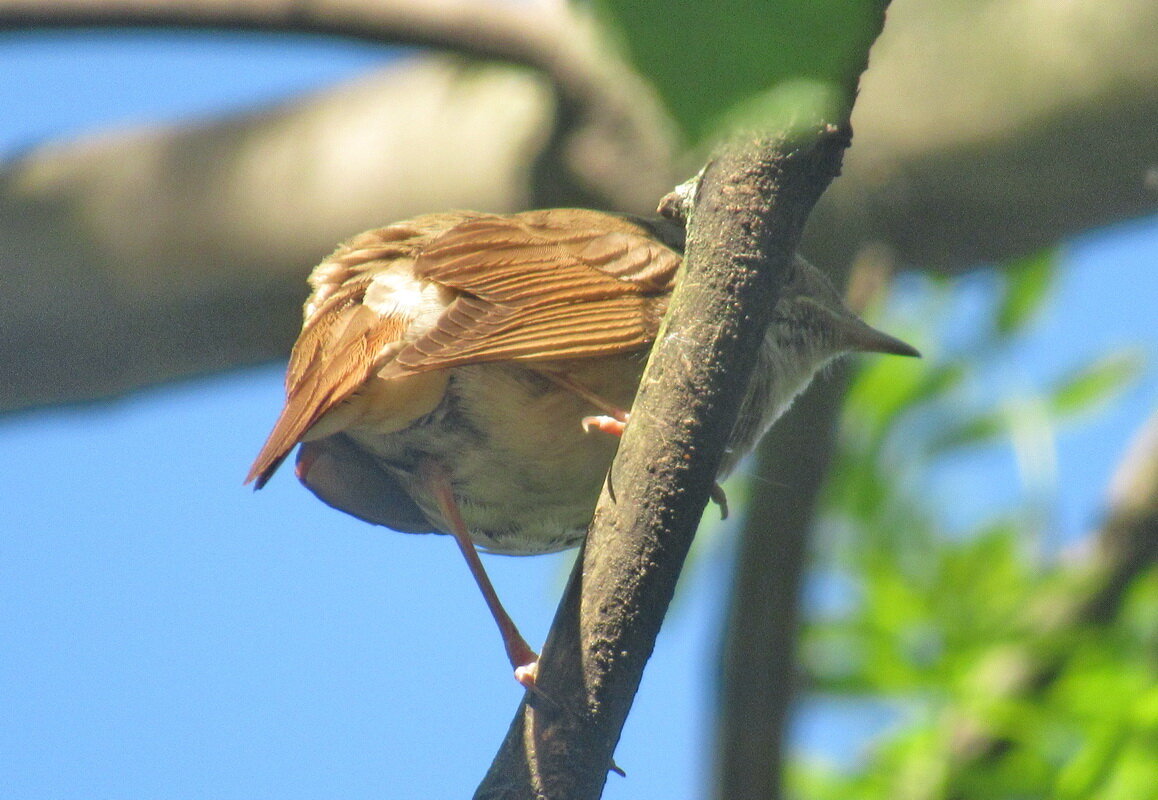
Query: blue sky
x=165 y=632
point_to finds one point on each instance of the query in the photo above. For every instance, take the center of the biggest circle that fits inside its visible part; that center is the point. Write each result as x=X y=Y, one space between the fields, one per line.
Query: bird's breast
x=524 y=473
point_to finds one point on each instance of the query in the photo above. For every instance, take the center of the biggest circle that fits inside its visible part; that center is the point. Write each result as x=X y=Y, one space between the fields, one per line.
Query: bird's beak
x=861 y=337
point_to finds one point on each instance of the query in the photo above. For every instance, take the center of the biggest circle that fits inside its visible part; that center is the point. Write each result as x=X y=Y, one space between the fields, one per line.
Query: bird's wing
x=562 y=283
x=343 y=341
x=532 y=286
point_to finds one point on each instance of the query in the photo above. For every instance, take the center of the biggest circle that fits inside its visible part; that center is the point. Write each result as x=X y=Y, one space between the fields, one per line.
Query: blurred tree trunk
x=184 y=250
x=758 y=671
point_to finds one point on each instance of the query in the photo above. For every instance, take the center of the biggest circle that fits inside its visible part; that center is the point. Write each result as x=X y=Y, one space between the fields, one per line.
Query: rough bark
x=752 y=206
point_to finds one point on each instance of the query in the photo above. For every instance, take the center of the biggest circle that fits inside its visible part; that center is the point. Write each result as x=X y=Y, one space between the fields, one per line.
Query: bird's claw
x=603 y=424
x=527 y=675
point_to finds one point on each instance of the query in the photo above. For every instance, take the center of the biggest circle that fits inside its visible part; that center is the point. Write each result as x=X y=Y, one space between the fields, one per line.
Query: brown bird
x=445 y=364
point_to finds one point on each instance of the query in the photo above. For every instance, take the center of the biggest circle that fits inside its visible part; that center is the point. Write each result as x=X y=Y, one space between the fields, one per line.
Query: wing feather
x=342 y=343
x=542 y=285
x=331 y=369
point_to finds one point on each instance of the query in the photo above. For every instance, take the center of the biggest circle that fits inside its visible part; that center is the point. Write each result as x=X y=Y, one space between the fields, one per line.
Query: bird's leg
x=524 y=660
x=615 y=421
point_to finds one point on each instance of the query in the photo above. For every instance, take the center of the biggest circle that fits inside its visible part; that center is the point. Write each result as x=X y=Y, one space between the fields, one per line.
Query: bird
x=457 y=373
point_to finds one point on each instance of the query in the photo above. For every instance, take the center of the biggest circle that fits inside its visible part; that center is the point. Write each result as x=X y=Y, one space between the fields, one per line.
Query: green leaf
x=974 y=430
x=732 y=59
x=1027 y=283
x=1094 y=383
x=886 y=387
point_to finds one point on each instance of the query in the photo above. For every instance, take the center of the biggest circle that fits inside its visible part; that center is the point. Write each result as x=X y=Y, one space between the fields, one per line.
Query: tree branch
x=989 y=130
x=538 y=35
x=600 y=100
x=1031 y=150
x=753 y=202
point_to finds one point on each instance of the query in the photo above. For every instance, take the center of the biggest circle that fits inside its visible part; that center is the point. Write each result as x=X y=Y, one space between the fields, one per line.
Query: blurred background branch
x=1007 y=167
x=1122 y=549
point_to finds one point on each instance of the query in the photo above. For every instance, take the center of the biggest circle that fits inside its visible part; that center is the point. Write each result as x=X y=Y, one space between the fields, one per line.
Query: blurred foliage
x=1027 y=284
x=745 y=63
x=959 y=630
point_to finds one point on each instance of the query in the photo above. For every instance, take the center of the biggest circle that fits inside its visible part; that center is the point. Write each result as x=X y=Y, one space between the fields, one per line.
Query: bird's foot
x=527 y=675
x=524 y=660
x=720 y=499
x=604 y=424
x=615 y=426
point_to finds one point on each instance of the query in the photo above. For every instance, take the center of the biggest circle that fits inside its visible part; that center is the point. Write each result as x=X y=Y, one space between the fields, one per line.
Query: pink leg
x=615 y=422
x=524 y=660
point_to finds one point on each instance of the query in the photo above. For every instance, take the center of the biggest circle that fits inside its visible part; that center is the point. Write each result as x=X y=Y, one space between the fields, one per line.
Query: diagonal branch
x=754 y=200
